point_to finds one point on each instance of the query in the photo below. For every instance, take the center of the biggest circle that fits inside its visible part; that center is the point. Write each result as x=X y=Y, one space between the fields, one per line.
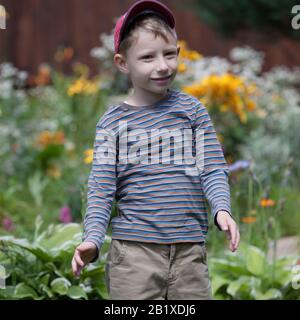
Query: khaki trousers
x=150 y=271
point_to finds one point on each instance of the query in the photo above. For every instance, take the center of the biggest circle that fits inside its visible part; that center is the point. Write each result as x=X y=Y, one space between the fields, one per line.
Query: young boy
x=158 y=238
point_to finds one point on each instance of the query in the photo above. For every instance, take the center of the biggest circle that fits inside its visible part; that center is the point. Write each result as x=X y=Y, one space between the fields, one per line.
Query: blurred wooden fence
x=35 y=29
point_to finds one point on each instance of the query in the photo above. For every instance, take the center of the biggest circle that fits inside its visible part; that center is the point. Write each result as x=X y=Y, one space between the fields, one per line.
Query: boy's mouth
x=163 y=78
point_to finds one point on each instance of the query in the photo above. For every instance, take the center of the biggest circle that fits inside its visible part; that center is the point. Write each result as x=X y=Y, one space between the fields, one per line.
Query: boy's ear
x=121 y=63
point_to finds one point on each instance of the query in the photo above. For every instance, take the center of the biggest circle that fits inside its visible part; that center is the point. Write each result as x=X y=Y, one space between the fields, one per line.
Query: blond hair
x=149 y=22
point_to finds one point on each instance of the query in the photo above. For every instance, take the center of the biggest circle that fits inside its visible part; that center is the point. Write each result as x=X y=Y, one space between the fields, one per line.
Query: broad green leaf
x=76 y=292
x=235 y=286
x=243 y=286
x=35 y=249
x=102 y=291
x=23 y=291
x=255 y=261
x=270 y=295
x=50 y=266
x=47 y=290
x=217 y=282
x=224 y=266
x=7 y=292
x=60 y=237
x=44 y=278
x=38 y=223
x=60 y=286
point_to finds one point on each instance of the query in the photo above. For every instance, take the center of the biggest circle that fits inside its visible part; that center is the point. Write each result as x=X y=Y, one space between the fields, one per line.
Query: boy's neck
x=145 y=98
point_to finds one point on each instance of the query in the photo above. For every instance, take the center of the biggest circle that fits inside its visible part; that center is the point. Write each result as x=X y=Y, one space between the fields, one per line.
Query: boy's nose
x=162 y=65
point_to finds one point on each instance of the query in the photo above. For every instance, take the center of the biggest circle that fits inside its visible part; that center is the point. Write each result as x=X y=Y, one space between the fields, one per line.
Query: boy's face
x=151 y=63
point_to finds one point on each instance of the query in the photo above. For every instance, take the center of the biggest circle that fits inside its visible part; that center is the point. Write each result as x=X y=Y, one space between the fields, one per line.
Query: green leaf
x=76 y=292
x=61 y=237
x=270 y=295
x=23 y=291
x=35 y=249
x=38 y=224
x=47 y=290
x=44 y=278
x=235 y=286
x=217 y=282
x=224 y=266
x=102 y=291
x=242 y=287
x=50 y=266
x=36 y=185
x=60 y=286
x=255 y=261
x=7 y=293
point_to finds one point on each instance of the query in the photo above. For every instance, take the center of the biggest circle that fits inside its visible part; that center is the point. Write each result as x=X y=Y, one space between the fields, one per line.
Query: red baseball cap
x=136 y=9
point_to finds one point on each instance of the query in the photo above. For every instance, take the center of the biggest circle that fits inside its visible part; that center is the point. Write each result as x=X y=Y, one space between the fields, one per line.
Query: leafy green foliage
x=248 y=275
x=42 y=269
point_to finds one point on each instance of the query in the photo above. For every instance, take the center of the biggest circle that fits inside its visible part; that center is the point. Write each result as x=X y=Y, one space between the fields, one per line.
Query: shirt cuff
x=98 y=246
x=216 y=215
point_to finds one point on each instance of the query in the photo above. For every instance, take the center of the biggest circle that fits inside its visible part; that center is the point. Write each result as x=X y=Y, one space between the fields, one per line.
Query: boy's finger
x=232 y=229
x=236 y=243
x=74 y=266
x=78 y=260
x=238 y=239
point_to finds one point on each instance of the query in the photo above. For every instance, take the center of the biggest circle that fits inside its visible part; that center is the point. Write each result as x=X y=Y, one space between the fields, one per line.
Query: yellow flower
x=248 y=220
x=227 y=91
x=88 y=156
x=182 y=67
x=267 y=203
x=83 y=86
x=186 y=53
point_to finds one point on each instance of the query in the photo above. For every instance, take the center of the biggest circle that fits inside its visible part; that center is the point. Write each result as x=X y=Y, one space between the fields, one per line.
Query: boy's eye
x=147 y=57
x=171 y=55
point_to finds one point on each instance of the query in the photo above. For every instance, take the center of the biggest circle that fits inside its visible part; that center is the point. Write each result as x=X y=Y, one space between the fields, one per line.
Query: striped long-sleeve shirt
x=161 y=197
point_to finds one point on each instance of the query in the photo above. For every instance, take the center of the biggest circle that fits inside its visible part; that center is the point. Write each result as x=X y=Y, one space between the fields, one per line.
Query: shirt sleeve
x=211 y=164
x=101 y=188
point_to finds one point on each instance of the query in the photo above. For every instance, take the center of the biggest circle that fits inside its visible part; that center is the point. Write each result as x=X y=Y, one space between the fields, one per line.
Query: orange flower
x=267 y=202
x=43 y=76
x=68 y=53
x=63 y=54
x=248 y=219
x=46 y=137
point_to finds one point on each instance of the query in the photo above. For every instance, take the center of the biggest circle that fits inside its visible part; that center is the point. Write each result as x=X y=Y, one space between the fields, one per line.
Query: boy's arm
x=211 y=163
x=101 y=188
x=214 y=173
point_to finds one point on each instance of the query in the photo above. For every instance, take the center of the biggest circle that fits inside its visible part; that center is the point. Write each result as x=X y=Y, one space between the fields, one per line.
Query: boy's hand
x=84 y=254
x=228 y=225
